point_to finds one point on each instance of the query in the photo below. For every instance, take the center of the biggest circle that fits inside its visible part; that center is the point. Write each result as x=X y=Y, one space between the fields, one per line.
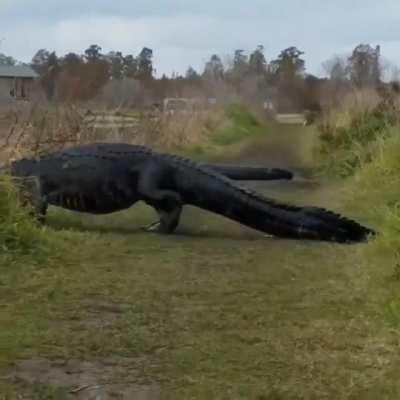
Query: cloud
x=183 y=32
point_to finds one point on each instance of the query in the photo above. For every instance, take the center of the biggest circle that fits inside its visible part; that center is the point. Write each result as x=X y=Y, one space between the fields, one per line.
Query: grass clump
x=376 y=189
x=19 y=232
x=375 y=193
x=346 y=139
x=363 y=146
x=240 y=124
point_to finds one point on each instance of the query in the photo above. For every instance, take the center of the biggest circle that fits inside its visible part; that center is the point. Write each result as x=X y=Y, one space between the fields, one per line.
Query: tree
x=240 y=62
x=116 y=61
x=288 y=72
x=145 y=65
x=50 y=72
x=289 y=63
x=71 y=60
x=338 y=82
x=40 y=60
x=257 y=61
x=192 y=75
x=7 y=60
x=214 y=68
x=130 y=67
x=364 y=65
x=93 y=53
x=337 y=69
x=69 y=80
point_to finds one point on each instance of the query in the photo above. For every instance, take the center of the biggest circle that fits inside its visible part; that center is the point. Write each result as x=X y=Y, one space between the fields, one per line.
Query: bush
x=19 y=233
x=240 y=125
x=241 y=116
x=375 y=190
x=346 y=139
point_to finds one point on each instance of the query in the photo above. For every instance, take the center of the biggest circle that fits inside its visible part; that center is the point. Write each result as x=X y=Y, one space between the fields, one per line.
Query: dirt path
x=215 y=312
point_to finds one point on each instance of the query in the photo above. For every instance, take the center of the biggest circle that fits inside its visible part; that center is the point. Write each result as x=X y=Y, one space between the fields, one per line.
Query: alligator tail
x=245 y=173
x=215 y=193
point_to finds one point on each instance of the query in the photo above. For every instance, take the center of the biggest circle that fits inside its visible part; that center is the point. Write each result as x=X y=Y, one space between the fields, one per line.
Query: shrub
x=375 y=190
x=346 y=137
x=19 y=233
x=240 y=125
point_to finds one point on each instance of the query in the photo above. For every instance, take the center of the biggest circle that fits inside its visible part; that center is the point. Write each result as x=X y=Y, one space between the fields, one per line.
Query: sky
x=186 y=32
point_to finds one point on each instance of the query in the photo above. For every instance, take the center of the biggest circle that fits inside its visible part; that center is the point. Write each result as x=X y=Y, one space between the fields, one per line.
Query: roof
x=17 y=71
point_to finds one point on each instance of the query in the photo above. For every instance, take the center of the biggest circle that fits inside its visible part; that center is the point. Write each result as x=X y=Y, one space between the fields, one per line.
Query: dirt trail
x=217 y=311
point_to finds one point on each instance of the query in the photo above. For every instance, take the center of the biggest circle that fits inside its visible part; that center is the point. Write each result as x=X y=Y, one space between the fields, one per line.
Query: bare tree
x=337 y=69
x=364 y=65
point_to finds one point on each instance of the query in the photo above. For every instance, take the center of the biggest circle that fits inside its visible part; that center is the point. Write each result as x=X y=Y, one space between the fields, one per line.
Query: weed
x=18 y=231
x=242 y=124
x=346 y=143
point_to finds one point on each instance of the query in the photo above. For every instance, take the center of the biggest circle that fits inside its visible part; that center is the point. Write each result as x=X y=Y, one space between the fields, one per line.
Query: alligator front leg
x=167 y=203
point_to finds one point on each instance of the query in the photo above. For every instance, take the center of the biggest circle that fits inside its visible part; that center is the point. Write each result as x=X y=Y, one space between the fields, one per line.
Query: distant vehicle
x=174 y=105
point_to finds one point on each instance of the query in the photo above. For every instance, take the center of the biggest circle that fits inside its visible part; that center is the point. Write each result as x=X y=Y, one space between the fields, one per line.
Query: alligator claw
x=153 y=227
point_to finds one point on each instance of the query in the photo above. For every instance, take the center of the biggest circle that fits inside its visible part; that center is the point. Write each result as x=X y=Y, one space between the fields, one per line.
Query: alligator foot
x=153 y=227
x=168 y=221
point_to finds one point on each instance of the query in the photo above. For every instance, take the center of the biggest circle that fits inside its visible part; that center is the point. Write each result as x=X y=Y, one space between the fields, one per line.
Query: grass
x=375 y=192
x=241 y=125
x=205 y=312
x=19 y=234
x=347 y=137
x=366 y=152
x=216 y=311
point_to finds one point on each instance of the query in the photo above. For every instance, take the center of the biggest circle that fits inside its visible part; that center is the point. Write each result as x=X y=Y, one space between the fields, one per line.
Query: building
x=16 y=82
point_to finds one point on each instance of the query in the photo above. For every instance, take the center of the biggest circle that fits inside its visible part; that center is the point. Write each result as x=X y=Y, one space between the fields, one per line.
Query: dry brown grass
x=183 y=130
x=34 y=130
x=353 y=103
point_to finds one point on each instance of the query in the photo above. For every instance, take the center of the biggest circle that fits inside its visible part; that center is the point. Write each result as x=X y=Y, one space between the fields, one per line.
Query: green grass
x=242 y=125
x=375 y=192
x=366 y=152
x=343 y=151
x=237 y=126
x=19 y=233
x=216 y=311
x=345 y=144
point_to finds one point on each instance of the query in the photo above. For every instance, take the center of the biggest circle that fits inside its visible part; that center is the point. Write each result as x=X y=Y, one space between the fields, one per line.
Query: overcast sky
x=183 y=32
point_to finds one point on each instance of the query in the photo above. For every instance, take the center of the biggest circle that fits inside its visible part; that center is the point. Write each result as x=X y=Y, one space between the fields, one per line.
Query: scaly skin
x=104 y=178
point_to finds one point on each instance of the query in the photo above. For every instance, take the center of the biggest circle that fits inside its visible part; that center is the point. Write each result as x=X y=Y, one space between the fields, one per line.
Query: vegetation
x=377 y=189
x=19 y=234
x=41 y=129
x=115 y=79
x=365 y=151
x=201 y=313
x=347 y=136
x=242 y=124
x=91 y=305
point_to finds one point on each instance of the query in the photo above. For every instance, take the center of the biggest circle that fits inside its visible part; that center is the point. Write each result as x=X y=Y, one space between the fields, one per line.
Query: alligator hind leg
x=167 y=203
x=168 y=221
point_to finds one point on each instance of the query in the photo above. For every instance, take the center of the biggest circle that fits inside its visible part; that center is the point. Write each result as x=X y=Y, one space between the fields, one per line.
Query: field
x=216 y=311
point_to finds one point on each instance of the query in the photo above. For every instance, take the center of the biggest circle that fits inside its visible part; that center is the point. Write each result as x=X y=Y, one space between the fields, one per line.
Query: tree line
x=251 y=77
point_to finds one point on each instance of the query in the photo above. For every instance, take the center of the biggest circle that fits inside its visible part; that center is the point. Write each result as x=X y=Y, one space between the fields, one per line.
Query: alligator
x=102 y=178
